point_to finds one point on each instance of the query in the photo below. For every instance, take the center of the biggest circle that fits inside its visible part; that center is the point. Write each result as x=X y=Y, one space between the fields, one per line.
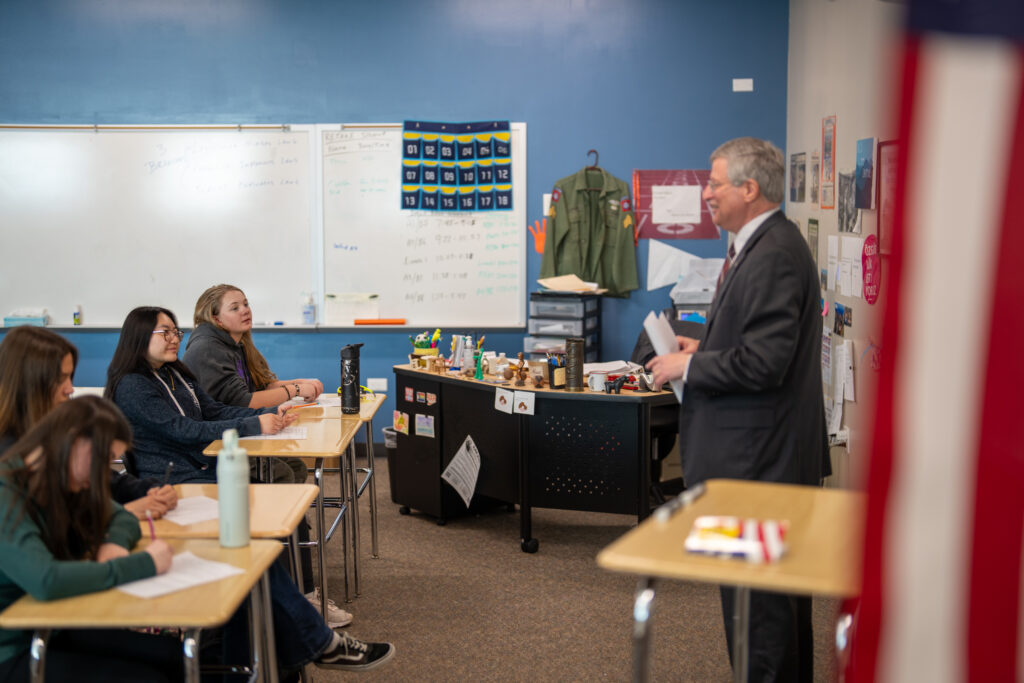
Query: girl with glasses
x=172 y=417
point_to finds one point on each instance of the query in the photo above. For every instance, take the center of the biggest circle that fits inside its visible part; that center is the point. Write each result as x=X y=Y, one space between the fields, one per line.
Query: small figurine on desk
x=538 y=381
x=521 y=371
x=479 y=374
x=424 y=344
x=615 y=387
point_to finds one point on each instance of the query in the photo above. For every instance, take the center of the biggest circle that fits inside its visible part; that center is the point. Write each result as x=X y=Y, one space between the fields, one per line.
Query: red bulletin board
x=643 y=181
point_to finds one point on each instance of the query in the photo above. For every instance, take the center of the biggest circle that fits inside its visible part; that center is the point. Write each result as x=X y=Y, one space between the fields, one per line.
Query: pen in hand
x=167 y=474
x=152 y=530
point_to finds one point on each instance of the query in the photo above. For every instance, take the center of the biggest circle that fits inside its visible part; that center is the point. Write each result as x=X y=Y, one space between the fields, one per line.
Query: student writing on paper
x=36 y=371
x=173 y=418
x=229 y=367
x=61 y=536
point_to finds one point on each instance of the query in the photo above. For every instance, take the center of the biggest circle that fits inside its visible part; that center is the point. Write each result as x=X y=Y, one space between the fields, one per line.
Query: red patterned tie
x=728 y=262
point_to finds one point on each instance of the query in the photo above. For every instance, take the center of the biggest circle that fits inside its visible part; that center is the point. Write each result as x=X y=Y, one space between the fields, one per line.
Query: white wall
x=842 y=61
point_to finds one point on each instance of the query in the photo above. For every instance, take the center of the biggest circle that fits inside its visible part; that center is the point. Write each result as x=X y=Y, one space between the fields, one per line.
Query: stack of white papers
x=663 y=339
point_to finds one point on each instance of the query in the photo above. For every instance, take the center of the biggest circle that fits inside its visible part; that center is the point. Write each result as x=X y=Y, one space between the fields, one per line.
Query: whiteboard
x=114 y=219
x=434 y=269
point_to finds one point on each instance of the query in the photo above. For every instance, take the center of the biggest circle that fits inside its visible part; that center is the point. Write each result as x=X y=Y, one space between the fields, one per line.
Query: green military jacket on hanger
x=590 y=231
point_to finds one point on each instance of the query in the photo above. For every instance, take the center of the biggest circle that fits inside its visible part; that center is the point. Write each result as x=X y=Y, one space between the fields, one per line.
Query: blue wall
x=645 y=82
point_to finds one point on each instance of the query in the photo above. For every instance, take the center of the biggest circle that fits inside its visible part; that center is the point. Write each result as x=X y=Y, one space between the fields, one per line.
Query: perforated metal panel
x=583 y=456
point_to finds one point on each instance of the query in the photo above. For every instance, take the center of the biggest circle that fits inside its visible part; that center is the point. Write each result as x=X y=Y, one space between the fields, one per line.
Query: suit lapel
x=741 y=258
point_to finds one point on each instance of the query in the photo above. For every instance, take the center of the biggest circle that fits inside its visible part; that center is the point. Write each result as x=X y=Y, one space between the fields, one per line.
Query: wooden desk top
x=325 y=438
x=367 y=409
x=205 y=606
x=274 y=511
x=823 y=540
x=653 y=397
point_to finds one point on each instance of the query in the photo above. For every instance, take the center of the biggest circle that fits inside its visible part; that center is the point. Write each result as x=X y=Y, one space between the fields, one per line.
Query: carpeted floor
x=462 y=602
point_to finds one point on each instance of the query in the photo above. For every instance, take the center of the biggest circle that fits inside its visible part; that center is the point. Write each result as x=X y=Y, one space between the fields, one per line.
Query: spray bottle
x=233 y=492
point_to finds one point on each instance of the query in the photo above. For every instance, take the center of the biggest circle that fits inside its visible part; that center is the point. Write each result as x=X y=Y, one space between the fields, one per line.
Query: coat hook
x=594 y=152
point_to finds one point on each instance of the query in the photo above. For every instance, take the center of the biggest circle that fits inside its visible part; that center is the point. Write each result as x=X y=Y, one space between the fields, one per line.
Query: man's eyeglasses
x=713 y=186
x=170 y=335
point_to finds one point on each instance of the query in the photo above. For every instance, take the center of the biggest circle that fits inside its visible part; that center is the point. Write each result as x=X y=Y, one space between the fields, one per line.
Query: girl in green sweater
x=61 y=535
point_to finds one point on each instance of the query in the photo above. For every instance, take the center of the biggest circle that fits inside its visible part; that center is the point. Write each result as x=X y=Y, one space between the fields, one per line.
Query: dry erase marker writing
x=152 y=530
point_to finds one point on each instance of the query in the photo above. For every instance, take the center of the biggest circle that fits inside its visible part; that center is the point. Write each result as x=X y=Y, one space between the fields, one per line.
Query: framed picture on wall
x=886 y=202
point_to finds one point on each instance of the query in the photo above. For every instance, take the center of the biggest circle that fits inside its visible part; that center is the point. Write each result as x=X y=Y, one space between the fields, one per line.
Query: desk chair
x=664 y=419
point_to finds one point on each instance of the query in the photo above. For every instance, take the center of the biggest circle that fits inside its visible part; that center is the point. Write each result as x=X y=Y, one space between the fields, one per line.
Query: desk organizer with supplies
x=554 y=316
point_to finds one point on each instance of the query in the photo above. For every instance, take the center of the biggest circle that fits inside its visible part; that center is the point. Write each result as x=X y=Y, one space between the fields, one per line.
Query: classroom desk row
x=275 y=511
x=191 y=609
x=330 y=438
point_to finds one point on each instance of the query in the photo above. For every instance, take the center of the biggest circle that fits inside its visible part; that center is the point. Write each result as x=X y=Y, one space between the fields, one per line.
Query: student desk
x=273 y=513
x=368 y=407
x=192 y=609
x=821 y=556
x=326 y=439
x=585 y=450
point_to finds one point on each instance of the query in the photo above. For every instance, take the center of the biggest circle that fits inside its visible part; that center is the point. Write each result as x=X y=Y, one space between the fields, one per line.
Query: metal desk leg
x=190 y=648
x=37 y=655
x=343 y=495
x=261 y=595
x=643 y=609
x=741 y=634
x=353 y=496
x=371 y=477
x=527 y=542
x=321 y=550
x=296 y=561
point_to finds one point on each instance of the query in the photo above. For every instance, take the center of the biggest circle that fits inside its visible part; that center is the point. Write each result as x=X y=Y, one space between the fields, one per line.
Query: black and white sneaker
x=348 y=654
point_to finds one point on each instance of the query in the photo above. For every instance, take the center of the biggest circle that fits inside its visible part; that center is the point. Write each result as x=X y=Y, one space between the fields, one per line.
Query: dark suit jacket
x=753 y=406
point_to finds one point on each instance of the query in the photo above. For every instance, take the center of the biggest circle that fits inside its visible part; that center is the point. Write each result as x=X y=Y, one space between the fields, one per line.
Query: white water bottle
x=233 y=492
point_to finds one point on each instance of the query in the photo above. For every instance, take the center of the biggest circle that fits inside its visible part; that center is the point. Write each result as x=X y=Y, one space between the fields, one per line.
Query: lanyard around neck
x=170 y=393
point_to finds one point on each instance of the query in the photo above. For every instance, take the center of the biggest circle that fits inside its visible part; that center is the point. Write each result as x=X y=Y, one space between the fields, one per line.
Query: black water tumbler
x=350 y=378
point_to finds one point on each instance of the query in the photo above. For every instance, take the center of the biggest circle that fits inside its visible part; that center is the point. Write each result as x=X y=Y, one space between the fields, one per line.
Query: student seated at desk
x=229 y=367
x=60 y=536
x=36 y=371
x=174 y=419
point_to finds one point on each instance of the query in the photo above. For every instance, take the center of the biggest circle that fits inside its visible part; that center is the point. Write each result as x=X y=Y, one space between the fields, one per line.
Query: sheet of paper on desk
x=186 y=571
x=329 y=400
x=463 y=470
x=613 y=367
x=290 y=432
x=663 y=339
x=193 y=510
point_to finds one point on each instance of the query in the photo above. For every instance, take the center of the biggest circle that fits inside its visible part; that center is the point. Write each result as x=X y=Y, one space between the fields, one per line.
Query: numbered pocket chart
x=457 y=166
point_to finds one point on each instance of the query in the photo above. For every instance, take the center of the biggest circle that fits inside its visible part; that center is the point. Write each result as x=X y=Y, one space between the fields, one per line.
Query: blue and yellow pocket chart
x=457 y=166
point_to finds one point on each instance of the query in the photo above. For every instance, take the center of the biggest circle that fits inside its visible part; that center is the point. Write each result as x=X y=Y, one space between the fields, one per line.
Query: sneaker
x=348 y=654
x=336 y=617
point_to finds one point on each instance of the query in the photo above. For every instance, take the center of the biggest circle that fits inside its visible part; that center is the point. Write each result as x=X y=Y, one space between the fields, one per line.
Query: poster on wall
x=828 y=162
x=886 y=194
x=797 y=176
x=848 y=213
x=457 y=166
x=815 y=177
x=865 y=179
x=812 y=238
x=667 y=205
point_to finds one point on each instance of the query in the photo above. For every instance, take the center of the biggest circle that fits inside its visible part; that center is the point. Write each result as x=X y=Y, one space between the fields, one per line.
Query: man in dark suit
x=752 y=403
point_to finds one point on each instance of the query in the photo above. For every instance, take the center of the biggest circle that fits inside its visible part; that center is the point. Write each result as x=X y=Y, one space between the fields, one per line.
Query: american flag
x=941 y=598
